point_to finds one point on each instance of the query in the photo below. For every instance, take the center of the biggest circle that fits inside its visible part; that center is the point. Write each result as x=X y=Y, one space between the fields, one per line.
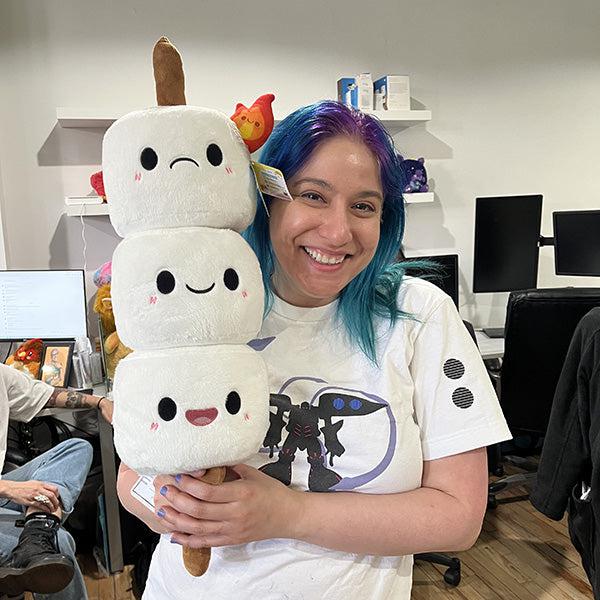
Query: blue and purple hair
x=373 y=292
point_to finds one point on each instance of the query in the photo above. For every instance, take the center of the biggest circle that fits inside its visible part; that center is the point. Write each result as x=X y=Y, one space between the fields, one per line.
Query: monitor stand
x=494 y=332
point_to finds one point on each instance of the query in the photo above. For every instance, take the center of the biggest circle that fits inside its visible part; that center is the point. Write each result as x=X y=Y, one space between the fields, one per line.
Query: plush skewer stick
x=170 y=91
x=196 y=560
x=168 y=74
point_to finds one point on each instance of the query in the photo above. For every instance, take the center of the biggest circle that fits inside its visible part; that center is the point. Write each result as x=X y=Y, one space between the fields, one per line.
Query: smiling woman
x=367 y=459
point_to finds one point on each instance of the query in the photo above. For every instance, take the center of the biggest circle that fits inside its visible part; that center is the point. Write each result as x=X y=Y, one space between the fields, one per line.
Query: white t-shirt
x=428 y=398
x=21 y=398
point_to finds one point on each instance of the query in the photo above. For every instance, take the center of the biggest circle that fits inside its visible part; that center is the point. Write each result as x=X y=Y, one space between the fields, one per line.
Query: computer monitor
x=577 y=242
x=507 y=233
x=447 y=277
x=42 y=304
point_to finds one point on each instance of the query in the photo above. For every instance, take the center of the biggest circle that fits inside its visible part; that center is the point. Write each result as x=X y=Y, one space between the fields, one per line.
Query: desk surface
x=489 y=347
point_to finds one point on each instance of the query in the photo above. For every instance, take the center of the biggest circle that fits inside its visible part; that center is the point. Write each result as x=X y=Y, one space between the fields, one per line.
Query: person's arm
x=125 y=481
x=63 y=398
x=444 y=514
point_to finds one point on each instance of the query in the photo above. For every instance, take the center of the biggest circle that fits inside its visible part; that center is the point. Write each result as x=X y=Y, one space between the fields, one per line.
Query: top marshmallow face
x=177 y=166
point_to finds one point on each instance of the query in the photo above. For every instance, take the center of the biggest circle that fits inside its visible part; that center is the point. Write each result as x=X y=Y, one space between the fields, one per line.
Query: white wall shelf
x=102 y=119
x=419 y=197
x=86 y=210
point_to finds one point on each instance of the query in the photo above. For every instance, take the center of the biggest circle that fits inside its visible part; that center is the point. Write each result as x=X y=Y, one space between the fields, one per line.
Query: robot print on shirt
x=312 y=428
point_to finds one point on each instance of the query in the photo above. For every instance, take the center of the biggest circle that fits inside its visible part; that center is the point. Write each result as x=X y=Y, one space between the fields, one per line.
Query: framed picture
x=56 y=363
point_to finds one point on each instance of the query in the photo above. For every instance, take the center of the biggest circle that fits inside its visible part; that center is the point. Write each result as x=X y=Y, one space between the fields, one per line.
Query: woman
x=345 y=333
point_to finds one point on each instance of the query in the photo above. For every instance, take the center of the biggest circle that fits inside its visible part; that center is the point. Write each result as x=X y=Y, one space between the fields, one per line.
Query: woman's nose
x=335 y=225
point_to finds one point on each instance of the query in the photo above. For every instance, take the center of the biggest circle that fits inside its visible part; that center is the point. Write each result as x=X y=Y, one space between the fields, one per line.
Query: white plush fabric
x=195 y=379
x=198 y=257
x=183 y=194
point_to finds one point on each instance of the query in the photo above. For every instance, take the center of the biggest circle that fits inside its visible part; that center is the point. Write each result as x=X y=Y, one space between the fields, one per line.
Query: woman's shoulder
x=419 y=297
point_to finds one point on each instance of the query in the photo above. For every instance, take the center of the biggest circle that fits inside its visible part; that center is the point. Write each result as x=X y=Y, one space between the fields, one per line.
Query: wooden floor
x=520 y=555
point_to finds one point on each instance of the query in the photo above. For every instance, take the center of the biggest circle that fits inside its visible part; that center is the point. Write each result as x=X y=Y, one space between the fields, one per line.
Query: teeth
x=323 y=258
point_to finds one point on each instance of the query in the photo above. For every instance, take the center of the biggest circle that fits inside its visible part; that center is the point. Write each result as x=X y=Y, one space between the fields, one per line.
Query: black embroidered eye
x=167 y=409
x=234 y=403
x=231 y=279
x=149 y=159
x=165 y=282
x=214 y=155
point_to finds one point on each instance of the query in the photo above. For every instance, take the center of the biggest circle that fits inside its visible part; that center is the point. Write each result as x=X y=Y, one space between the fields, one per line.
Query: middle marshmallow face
x=186 y=287
x=177 y=166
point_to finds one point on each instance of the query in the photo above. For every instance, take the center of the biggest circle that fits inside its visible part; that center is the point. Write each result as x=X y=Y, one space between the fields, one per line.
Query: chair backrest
x=539 y=327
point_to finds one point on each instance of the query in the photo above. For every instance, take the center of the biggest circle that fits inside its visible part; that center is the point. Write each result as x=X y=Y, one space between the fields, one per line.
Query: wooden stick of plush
x=168 y=74
x=196 y=560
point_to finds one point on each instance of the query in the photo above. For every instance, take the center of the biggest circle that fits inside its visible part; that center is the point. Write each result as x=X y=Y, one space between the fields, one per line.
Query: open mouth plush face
x=190 y=408
x=177 y=166
x=184 y=287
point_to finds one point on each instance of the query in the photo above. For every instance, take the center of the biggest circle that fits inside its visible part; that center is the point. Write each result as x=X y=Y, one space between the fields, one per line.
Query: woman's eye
x=364 y=207
x=311 y=196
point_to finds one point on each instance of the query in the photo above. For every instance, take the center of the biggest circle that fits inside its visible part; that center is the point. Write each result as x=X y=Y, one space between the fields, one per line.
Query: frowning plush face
x=190 y=408
x=177 y=166
x=185 y=287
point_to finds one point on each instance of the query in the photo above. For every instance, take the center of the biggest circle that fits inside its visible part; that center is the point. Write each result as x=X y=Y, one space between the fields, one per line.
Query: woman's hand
x=251 y=508
x=25 y=492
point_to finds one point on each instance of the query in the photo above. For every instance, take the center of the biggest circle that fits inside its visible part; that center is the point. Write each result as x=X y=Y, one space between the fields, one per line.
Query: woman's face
x=330 y=231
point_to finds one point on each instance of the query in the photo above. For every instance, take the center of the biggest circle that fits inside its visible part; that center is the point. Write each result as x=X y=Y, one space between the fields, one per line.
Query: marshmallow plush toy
x=187 y=289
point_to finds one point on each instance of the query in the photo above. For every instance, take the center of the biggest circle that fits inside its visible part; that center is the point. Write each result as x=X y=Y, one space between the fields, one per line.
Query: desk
x=489 y=347
x=109 y=478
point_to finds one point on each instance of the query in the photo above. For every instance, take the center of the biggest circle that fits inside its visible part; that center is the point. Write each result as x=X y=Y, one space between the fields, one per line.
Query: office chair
x=539 y=327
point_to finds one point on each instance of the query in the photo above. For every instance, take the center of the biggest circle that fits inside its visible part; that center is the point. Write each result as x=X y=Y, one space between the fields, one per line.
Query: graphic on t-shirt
x=304 y=433
x=462 y=396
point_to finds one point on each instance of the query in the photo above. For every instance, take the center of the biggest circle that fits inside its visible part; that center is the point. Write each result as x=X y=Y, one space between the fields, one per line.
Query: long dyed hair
x=373 y=292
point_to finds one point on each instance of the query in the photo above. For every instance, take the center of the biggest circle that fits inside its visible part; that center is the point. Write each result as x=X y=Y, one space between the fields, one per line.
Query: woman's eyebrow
x=316 y=181
x=370 y=194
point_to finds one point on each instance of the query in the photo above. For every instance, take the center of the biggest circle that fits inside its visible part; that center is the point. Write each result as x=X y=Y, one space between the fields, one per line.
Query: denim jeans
x=66 y=466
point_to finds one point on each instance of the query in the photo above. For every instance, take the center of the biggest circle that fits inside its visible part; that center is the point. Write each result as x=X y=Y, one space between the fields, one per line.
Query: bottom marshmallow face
x=183 y=409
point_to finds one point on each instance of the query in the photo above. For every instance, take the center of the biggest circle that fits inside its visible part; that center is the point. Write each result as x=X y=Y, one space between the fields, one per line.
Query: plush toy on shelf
x=97 y=183
x=187 y=290
x=27 y=357
x=416 y=175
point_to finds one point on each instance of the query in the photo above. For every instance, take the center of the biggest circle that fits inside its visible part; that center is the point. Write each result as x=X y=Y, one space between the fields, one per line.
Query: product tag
x=143 y=491
x=270 y=181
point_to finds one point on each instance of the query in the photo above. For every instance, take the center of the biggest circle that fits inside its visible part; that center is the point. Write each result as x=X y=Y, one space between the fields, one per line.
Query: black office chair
x=539 y=327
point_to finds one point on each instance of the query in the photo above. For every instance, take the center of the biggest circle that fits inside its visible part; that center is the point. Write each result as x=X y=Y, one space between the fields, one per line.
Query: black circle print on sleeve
x=454 y=369
x=462 y=397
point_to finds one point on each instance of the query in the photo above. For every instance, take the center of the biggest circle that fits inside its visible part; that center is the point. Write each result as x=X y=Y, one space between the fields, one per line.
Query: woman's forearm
x=125 y=481
x=422 y=520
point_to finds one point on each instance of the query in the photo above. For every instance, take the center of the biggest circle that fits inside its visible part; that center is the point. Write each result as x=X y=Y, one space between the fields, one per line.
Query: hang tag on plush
x=270 y=181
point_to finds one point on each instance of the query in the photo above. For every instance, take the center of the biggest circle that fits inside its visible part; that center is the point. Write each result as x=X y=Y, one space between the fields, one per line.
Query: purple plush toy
x=416 y=176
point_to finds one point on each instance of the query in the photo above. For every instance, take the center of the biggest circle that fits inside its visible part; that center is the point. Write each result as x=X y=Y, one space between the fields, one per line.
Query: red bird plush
x=255 y=123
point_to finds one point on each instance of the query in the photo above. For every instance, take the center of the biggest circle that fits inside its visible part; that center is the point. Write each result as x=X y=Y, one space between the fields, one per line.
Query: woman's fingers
x=195 y=508
x=186 y=524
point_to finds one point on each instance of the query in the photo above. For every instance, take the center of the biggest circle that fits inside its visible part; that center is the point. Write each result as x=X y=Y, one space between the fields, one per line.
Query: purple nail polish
x=163 y=490
x=177 y=478
x=175 y=542
x=160 y=513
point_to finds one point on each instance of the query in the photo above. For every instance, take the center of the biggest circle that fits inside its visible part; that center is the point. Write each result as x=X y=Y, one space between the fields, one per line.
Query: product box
x=347 y=91
x=394 y=90
x=364 y=84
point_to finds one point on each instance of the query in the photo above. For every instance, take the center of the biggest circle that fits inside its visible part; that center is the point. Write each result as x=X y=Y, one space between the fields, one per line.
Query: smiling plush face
x=184 y=287
x=177 y=166
x=190 y=408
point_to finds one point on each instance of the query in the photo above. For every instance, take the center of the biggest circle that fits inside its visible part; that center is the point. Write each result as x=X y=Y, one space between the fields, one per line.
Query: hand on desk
x=106 y=409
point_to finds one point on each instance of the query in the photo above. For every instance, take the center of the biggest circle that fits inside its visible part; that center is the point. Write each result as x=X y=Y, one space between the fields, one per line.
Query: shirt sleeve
x=26 y=396
x=455 y=404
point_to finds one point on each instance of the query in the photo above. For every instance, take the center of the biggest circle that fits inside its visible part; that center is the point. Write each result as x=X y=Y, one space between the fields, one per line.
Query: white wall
x=514 y=88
